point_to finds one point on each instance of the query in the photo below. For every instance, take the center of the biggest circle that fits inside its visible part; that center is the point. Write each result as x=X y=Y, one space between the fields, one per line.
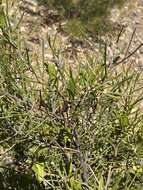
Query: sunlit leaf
x=38 y=168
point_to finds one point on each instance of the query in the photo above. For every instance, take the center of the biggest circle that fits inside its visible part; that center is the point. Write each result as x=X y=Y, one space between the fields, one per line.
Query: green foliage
x=80 y=129
x=85 y=15
x=38 y=168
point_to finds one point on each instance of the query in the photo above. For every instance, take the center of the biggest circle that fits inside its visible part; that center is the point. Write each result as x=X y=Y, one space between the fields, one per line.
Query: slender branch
x=132 y=53
x=131 y=39
x=120 y=33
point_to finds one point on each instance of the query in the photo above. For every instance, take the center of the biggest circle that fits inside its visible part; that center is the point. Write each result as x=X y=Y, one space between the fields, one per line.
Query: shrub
x=91 y=15
x=65 y=128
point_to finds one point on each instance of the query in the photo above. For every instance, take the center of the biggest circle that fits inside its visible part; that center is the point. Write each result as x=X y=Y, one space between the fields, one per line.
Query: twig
x=5 y=152
x=81 y=156
x=120 y=33
x=108 y=178
x=131 y=39
x=9 y=138
x=132 y=53
x=105 y=61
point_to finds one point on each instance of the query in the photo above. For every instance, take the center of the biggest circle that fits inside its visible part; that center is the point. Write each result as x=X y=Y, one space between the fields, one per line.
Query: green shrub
x=65 y=128
x=91 y=15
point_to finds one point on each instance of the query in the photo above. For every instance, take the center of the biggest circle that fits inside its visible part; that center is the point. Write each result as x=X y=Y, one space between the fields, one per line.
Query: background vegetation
x=67 y=128
x=85 y=16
